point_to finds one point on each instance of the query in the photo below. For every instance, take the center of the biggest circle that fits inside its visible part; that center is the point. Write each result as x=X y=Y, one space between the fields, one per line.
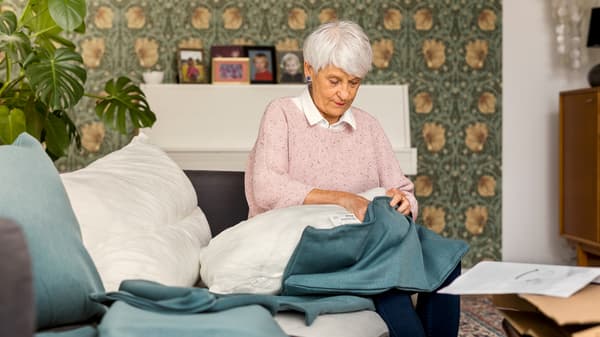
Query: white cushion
x=251 y=256
x=352 y=324
x=139 y=216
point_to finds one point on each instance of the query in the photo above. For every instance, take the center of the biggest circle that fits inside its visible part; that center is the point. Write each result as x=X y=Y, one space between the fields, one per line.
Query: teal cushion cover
x=32 y=194
x=85 y=331
x=123 y=320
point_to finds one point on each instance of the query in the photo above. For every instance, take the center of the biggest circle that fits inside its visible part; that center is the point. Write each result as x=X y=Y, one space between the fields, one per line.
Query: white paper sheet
x=522 y=278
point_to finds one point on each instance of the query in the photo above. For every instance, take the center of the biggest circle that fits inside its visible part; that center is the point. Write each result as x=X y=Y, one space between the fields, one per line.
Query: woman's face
x=291 y=66
x=332 y=90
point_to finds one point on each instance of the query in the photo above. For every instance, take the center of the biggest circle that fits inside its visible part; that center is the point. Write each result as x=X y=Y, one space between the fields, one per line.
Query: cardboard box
x=546 y=316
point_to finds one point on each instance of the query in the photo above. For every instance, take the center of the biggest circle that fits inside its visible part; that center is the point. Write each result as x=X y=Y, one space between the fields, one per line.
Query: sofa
x=132 y=245
x=218 y=195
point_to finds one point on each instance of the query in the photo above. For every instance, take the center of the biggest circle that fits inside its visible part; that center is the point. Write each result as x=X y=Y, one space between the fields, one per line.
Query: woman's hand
x=399 y=201
x=350 y=201
x=355 y=204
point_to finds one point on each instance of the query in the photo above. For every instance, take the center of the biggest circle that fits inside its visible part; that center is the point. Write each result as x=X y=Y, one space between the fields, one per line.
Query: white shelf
x=213 y=127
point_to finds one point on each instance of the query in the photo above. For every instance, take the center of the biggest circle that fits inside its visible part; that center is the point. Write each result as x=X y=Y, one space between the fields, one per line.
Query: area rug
x=479 y=318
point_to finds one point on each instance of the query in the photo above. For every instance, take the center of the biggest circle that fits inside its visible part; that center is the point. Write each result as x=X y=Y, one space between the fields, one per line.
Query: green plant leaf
x=8 y=22
x=44 y=30
x=56 y=137
x=60 y=40
x=81 y=29
x=36 y=17
x=68 y=14
x=59 y=131
x=35 y=112
x=15 y=43
x=12 y=123
x=125 y=99
x=57 y=78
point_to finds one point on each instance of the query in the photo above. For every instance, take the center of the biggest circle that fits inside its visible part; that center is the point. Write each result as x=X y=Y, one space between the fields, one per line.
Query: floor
x=479 y=318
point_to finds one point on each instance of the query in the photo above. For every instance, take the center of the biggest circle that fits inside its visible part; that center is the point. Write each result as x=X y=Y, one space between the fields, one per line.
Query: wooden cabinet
x=579 y=172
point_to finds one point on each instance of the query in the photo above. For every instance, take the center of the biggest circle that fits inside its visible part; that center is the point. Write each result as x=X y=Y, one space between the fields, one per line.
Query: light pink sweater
x=290 y=158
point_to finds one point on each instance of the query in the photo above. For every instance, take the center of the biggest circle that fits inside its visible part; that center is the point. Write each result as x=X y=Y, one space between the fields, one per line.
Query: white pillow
x=251 y=256
x=139 y=216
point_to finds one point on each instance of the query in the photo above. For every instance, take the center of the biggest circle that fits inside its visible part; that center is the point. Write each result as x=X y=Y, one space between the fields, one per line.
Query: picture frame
x=263 y=67
x=227 y=51
x=291 y=67
x=190 y=65
x=230 y=70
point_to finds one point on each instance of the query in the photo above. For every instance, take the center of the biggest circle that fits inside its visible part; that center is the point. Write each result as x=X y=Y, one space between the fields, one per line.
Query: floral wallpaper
x=448 y=51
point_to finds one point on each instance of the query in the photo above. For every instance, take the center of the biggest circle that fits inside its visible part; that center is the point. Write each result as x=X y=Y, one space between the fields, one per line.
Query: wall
x=448 y=51
x=532 y=80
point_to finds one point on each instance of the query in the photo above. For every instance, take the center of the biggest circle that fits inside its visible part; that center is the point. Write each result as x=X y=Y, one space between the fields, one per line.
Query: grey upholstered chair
x=16 y=283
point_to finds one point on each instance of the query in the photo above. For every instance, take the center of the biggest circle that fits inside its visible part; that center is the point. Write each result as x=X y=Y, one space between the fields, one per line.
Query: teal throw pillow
x=32 y=194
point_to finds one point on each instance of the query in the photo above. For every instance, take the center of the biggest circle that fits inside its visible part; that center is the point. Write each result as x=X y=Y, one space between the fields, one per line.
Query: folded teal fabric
x=85 y=331
x=124 y=320
x=388 y=250
x=156 y=297
x=313 y=306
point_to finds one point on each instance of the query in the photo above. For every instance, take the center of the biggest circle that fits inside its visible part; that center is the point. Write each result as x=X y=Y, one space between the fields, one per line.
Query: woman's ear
x=308 y=72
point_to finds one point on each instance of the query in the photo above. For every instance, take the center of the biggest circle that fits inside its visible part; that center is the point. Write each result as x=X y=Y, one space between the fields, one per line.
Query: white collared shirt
x=305 y=103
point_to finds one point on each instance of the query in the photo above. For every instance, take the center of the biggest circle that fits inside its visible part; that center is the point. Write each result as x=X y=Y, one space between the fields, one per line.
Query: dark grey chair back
x=221 y=196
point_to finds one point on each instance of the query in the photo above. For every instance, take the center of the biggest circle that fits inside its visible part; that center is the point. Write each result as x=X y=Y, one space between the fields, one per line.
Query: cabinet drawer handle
x=589 y=100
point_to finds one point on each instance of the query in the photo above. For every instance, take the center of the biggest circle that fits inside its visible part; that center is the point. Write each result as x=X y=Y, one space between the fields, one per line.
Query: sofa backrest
x=221 y=197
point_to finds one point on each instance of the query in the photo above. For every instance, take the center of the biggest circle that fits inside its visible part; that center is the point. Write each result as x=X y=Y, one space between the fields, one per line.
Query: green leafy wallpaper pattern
x=448 y=51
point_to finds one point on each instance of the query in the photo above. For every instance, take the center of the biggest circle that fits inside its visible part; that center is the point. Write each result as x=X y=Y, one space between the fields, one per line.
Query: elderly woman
x=317 y=148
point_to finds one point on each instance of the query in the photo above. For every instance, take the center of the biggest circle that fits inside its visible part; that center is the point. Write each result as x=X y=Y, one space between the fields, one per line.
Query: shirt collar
x=314 y=116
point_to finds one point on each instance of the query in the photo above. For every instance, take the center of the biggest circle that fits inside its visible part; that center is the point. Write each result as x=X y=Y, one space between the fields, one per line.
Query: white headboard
x=213 y=127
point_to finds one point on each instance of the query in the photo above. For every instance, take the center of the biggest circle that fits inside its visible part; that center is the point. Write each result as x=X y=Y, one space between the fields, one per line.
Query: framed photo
x=263 y=67
x=230 y=70
x=226 y=51
x=291 y=67
x=190 y=65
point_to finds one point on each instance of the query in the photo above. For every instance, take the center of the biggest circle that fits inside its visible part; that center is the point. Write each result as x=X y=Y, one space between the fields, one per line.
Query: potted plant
x=44 y=77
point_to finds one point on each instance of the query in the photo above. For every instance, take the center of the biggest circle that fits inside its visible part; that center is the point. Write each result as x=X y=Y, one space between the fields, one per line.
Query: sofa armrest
x=17 y=308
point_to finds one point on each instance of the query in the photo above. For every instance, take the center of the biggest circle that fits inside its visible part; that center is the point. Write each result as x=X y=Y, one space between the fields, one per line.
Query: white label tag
x=343 y=219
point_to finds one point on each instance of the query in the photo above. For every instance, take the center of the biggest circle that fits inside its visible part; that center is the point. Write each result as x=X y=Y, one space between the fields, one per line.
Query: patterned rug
x=479 y=318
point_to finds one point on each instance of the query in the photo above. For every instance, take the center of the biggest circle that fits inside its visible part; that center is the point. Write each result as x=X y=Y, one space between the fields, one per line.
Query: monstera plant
x=44 y=77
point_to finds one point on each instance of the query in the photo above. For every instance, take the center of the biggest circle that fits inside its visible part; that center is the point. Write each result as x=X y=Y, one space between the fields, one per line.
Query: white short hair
x=290 y=57
x=342 y=44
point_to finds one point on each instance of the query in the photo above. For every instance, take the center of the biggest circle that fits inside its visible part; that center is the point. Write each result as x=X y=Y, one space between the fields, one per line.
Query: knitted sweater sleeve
x=390 y=173
x=270 y=185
